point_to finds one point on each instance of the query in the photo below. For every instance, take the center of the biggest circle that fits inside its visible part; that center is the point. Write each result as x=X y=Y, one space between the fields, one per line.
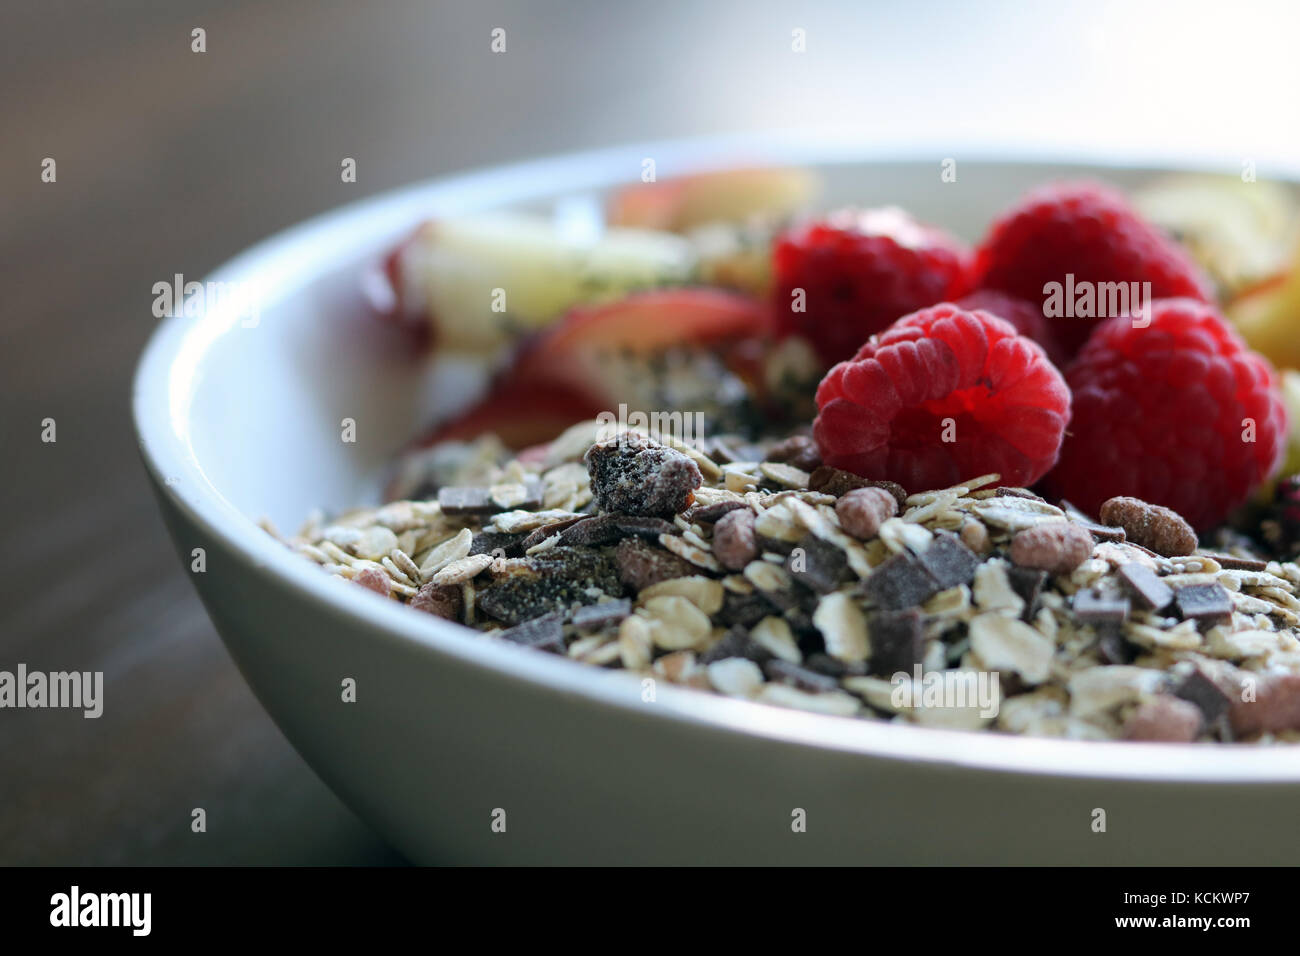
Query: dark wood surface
x=171 y=161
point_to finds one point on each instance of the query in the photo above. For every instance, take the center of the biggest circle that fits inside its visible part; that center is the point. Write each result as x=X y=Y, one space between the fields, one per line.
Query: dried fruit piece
x=637 y=476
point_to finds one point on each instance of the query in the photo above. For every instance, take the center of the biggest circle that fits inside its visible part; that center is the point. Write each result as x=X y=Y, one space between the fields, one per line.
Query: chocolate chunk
x=467 y=501
x=1206 y=604
x=798 y=450
x=1028 y=583
x=823 y=663
x=833 y=481
x=818 y=564
x=552 y=580
x=1145 y=586
x=640 y=564
x=1094 y=607
x=545 y=633
x=948 y=561
x=643 y=527
x=494 y=542
x=743 y=609
x=736 y=643
x=593 y=617
x=897 y=641
x=1231 y=562
x=637 y=476
x=899 y=583
x=708 y=514
x=802 y=678
x=592 y=532
x=538 y=535
x=1205 y=694
x=1112 y=647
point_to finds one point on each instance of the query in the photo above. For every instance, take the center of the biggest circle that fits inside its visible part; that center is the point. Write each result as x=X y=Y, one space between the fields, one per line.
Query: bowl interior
x=242 y=416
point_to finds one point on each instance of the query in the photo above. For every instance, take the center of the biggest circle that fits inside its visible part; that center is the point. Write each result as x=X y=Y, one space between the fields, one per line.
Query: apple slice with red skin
x=732 y=195
x=555 y=379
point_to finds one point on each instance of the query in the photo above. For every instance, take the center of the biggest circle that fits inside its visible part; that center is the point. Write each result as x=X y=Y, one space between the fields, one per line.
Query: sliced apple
x=732 y=195
x=667 y=351
x=479 y=282
x=1242 y=233
x=1268 y=316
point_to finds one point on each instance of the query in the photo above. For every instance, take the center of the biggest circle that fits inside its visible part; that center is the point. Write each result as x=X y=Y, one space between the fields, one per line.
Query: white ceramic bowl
x=237 y=423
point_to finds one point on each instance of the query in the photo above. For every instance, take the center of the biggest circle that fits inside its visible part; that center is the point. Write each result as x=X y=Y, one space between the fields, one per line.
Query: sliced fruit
x=479 y=282
x=519 y=415
x=669 y=350
x=1242 y=233
x=732 y=195
x=1268 y=318
x=736 y=256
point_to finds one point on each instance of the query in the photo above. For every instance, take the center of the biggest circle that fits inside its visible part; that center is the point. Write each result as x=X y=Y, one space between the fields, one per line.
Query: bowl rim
x=167 y=374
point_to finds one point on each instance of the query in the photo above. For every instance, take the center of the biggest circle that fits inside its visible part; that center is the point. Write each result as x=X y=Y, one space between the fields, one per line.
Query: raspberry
x=1179 y=413
x=1091 y=232
x=943 y=394
x=1024 y=315
x=859 y=271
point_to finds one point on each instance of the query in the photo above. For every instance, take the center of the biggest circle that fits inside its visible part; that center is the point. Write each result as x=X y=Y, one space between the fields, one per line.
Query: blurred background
x=171 y=161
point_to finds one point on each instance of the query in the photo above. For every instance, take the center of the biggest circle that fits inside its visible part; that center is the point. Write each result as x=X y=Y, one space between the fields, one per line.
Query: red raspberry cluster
x=1169 y=405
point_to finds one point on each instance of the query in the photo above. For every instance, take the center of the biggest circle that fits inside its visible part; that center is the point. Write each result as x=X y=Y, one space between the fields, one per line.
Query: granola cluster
x=753 y=571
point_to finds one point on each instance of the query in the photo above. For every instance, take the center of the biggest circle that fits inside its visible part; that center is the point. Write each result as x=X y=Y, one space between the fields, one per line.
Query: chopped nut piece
x=1057 y=547
x=1164 y=718
x=1160 y=529
x=863 y=510
x=734 y=543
